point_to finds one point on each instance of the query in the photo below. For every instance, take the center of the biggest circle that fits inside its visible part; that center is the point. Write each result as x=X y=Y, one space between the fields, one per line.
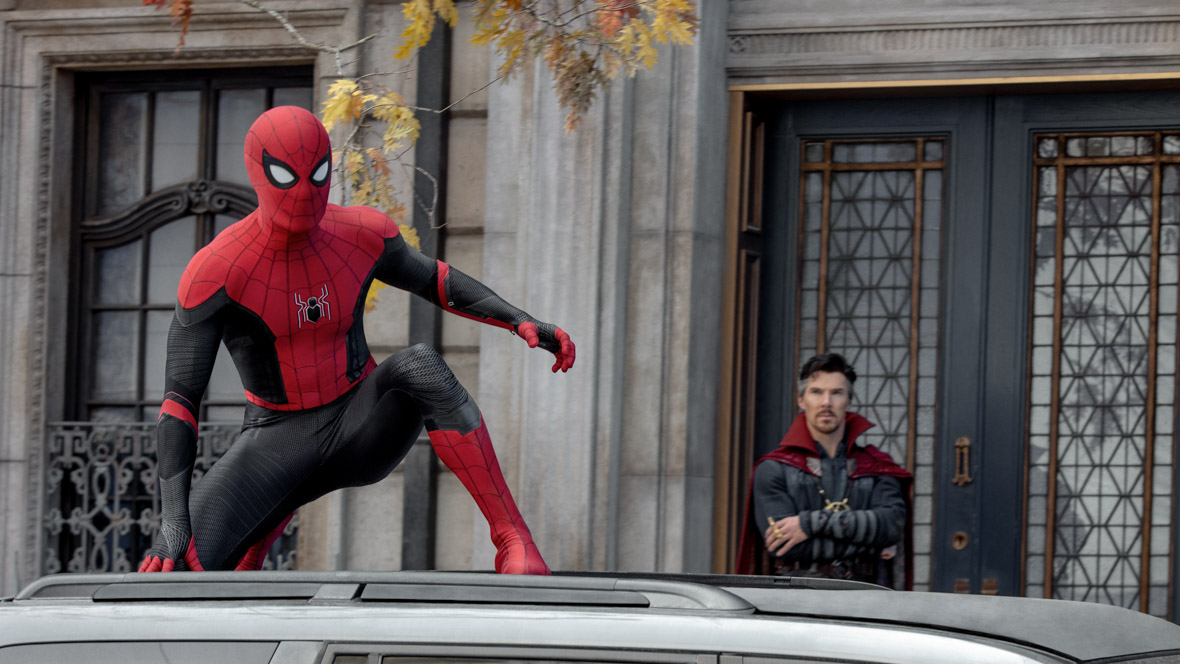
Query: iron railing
x=102 y=503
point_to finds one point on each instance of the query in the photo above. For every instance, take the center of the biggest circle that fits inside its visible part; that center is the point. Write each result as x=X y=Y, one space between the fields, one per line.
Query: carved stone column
x=613 y=232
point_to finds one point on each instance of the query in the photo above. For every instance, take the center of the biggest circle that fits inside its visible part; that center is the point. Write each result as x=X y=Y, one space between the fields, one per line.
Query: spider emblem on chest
x=313 y=308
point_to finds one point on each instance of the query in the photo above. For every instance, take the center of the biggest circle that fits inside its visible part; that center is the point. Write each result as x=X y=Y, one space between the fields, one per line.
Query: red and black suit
x=284 y=289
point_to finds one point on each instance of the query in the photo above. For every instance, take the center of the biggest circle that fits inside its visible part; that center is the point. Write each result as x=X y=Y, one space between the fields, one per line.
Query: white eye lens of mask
x=321 y=173
x=281 y=175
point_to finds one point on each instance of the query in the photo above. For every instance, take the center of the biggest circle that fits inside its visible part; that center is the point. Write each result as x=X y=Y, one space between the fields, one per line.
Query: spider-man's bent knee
x=421 y=372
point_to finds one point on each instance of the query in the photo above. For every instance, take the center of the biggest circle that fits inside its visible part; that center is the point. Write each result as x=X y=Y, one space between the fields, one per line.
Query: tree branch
x=324 y=48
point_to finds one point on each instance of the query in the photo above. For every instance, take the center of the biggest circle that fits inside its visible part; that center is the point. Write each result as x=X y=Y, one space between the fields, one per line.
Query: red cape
x=795 y=450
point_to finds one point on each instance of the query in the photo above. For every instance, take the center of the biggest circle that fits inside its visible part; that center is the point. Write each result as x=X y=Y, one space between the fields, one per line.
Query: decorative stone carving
x=292 y=55
x=999 y=37
x=198 y=197
x=941 y=50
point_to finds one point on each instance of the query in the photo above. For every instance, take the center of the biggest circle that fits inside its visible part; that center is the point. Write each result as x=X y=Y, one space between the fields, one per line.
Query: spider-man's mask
x=289 y=160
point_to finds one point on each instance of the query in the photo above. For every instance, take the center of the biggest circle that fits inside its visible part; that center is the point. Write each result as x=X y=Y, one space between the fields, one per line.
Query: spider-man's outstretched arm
x=192 y=350
x=458 y=293
x=460 y=437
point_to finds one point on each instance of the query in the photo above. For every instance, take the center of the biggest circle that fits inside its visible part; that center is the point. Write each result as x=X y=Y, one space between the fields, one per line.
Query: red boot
x=471 y=457
x=256 y=555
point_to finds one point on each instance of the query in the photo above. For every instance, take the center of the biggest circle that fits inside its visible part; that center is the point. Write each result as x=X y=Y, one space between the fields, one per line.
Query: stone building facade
x=711 y=221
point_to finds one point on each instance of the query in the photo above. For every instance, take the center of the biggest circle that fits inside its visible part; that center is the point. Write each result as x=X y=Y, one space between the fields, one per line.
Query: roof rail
x=741 y=580
x=433 y=587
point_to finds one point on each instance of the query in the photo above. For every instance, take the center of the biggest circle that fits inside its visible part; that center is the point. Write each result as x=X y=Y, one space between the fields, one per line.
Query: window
x=1103 y=368
x=162 y=173
x=159 y=172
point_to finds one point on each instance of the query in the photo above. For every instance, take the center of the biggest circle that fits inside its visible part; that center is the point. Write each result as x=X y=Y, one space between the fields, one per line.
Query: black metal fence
x=103 y=507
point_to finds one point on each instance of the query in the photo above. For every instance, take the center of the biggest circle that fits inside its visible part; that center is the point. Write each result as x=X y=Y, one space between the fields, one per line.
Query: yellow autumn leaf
x=674 y=6
x=345 y=103
x=446 y=9
x=386 y=101
x=339 y=102
x=411 y=235
x=675 y=21
x=512 y=45
x=677 y=32
x=648 y=56
x=624 y=39
x=396 y=211
x=490 y=20
x=641 y=34
x=363 y=192
x=379 y=163
x=485 y=35
x=419 y=25
x=405 y=126
x=354 y=164
x=371 y=296
x=400 y=122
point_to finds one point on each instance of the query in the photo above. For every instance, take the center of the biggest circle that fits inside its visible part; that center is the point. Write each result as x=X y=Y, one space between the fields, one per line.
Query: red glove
x=550 y=338
x=161 y=562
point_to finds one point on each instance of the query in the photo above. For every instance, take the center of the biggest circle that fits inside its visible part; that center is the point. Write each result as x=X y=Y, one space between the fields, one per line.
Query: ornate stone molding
x=130 y=19
x=998 y=37
x=155 y=59
x=944 y=49
x=199 y=197
x=37 y=331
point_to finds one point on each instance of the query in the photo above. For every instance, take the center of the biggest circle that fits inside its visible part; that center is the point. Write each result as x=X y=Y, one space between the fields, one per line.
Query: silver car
x=476 y=618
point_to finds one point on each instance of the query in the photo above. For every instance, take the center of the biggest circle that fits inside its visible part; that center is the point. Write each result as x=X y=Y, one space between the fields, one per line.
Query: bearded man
x=825 y=504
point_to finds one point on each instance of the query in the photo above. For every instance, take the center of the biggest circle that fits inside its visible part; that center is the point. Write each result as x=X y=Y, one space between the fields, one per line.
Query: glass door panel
x=1102 y=368
x=871 y=223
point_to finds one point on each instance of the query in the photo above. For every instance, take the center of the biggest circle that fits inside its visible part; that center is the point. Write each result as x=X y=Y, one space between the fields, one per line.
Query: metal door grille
x=869 y=248
x=1103 y=367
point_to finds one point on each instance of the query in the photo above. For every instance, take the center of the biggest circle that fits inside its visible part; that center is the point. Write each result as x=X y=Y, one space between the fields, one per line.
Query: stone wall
x=613 y=232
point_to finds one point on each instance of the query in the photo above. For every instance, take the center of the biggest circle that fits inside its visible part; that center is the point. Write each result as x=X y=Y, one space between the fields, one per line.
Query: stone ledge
x=949 y=51
x=987 y=36
x=137 y=19
x=1023 y=75
x=188 y=57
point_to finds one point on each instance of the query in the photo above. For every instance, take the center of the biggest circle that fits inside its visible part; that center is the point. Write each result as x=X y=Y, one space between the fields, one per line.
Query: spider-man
x=285 y=289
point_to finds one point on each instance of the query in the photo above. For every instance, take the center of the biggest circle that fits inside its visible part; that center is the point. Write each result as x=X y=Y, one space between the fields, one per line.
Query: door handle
x=962 y=461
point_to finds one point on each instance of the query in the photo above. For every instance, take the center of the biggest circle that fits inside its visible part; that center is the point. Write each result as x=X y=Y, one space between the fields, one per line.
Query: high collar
x=799 y=438
x=276 y=237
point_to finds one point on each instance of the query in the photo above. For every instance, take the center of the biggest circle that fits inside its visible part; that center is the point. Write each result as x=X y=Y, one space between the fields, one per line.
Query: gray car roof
x=1077 y=630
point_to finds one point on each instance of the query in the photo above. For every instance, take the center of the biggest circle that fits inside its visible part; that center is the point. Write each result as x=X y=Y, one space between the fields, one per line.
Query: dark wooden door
x=1002 y=272
x=875 y=225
